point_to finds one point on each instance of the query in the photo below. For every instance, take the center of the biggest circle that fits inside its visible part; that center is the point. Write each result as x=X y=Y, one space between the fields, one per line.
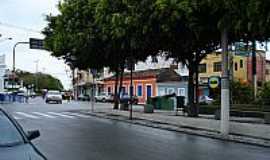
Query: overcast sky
x=22 y=19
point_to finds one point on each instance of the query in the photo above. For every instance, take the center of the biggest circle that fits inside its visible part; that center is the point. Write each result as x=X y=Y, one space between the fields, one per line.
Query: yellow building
x=212 y=66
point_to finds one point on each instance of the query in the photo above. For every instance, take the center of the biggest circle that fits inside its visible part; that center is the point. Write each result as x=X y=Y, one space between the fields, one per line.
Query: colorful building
x=211 y=66
x=260 y=67
x=150 y=83
x=240 y=68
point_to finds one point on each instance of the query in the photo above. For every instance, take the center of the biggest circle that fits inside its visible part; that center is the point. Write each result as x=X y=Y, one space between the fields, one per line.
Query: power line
x=19 y=27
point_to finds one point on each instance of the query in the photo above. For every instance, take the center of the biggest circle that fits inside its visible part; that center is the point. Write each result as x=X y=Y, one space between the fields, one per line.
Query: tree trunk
x=116 y=101
x=254 y=67
x=197 y=86
x=192 y=107
x=121 y=80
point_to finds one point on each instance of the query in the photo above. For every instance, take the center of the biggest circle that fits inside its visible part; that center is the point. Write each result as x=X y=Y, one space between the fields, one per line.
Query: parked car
x=84 y=97
x=103 y=97
x=33 y=94
x=126 y=98
x=15 y=143
x=53 y=96
x=206 y=100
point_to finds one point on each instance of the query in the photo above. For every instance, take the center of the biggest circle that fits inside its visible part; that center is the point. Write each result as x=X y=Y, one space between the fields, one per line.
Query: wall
x=173 y=87
x=260 y=68
x=239 y=74
x=136 y=83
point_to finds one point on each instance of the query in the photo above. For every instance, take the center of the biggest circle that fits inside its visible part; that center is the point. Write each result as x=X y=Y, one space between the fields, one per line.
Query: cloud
x=29 y=14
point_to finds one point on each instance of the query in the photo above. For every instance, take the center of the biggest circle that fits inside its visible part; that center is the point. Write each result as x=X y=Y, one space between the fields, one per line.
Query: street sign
x=214 y=82
x=36 y=43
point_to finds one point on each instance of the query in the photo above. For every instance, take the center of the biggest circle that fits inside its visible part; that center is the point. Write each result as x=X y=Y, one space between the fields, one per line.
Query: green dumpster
x=148 y=108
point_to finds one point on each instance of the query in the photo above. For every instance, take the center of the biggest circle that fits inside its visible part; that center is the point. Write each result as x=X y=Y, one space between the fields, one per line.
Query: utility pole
x=225 y=85
x=36 y=77
x=131 y=88
x=14 y=60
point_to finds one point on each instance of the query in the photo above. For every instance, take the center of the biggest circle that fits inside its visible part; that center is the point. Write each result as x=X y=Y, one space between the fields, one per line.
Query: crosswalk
x=48 y=115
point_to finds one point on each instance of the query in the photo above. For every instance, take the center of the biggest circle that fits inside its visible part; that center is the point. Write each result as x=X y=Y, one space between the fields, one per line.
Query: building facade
x=211 y=66
x=150 y=83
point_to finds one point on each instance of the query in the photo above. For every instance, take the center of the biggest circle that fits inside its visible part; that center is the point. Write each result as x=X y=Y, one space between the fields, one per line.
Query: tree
x=43 y=81
x=99 y=33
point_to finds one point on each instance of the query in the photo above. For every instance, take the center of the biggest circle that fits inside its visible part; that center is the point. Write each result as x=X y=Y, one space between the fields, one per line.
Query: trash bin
x=267 y=118
x=2 y=97
x=148 y=108
x=124 y=105
x=167 y=103
x=180 y=101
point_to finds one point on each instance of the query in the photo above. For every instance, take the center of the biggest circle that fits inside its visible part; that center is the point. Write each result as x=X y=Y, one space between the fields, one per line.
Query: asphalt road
x=69 y=136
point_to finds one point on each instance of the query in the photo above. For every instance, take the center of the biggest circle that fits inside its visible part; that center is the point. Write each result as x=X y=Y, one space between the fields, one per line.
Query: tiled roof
x=161 y=75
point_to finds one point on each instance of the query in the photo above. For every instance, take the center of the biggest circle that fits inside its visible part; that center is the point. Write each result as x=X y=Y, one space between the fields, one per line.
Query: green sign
x=214 y=82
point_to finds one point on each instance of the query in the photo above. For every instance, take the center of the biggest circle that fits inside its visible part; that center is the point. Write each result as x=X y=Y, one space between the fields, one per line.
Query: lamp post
x=4 y=39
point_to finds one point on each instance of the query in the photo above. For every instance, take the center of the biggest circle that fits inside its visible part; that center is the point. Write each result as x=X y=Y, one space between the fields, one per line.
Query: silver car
x=54 y=96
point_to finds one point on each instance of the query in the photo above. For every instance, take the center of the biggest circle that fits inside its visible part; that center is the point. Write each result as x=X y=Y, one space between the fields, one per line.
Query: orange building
x=144 y=83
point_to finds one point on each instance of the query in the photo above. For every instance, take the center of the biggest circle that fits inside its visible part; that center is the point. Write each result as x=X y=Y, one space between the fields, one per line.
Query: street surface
x=69 y=135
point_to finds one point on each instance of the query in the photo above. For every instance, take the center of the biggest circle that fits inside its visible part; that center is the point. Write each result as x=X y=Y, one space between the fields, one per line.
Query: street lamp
x=4 y=39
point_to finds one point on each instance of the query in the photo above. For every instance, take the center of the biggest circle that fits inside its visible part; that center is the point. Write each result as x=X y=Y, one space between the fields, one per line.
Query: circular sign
x=214 y=82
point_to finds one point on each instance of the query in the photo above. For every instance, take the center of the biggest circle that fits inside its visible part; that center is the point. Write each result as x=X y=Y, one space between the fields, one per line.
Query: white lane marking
x=77 y=114
x=44 y=115
x=27 y=115
x=61 y=115
x=17 y=118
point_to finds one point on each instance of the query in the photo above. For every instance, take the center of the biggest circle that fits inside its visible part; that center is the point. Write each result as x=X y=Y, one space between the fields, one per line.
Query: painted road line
x=61 y=115
x=44 y=115
x=17 y=118
x=27 y=115
x=77 y=114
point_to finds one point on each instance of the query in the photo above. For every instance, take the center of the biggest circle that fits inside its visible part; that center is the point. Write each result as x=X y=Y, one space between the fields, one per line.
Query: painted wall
x=179 y=88
x=109 y=87
x=260 y=68
x=240 y=67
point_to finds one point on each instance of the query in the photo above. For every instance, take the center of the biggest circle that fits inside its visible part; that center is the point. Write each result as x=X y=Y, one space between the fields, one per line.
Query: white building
x=2 y=71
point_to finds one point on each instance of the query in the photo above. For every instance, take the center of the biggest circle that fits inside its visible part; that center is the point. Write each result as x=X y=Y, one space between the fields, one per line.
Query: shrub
x=264 y=94
x=242 y=93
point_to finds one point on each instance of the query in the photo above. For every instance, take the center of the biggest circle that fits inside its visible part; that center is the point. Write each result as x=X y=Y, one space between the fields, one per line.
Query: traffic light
x=36 y=43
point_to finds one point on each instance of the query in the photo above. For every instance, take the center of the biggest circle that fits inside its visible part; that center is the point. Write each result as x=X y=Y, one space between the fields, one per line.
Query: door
x=149 y=91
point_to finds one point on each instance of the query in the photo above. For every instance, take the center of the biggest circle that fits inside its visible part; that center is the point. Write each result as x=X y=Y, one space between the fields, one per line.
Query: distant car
x=54 y=96
x=206 y=100
x=103 y=97
x=84 y=97
x=33 y=94
x=126 y=98
x=15 y=143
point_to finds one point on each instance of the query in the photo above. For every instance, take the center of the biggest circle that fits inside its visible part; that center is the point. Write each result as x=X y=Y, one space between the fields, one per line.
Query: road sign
x=214 y=82
x=36 y=43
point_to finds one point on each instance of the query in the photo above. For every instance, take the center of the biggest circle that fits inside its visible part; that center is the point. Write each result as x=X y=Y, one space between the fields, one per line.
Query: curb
x=183 y=129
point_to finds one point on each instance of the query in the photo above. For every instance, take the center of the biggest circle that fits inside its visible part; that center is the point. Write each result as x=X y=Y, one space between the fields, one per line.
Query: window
x=109 y=90
x=170 y=91
x=202 y=68
x=241 y=63
x=235 y=66
x=162 y=92
x=123 y=90
x=139 y=90
x=181 y=92
x=9 y=133
x=217 y=66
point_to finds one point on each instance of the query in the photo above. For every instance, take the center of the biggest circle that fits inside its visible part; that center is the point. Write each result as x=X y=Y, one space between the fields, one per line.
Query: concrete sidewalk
x=251 y=131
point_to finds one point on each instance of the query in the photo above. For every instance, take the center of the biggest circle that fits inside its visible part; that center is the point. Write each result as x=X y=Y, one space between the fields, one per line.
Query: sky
x=24 y=19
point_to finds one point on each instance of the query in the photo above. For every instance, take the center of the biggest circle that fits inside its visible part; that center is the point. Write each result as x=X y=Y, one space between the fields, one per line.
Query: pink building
x=260 y=68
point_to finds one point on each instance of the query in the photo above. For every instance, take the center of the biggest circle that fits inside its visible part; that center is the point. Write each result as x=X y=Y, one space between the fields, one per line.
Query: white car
x=53 y=96
x=102 y=97
x=206 y=99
